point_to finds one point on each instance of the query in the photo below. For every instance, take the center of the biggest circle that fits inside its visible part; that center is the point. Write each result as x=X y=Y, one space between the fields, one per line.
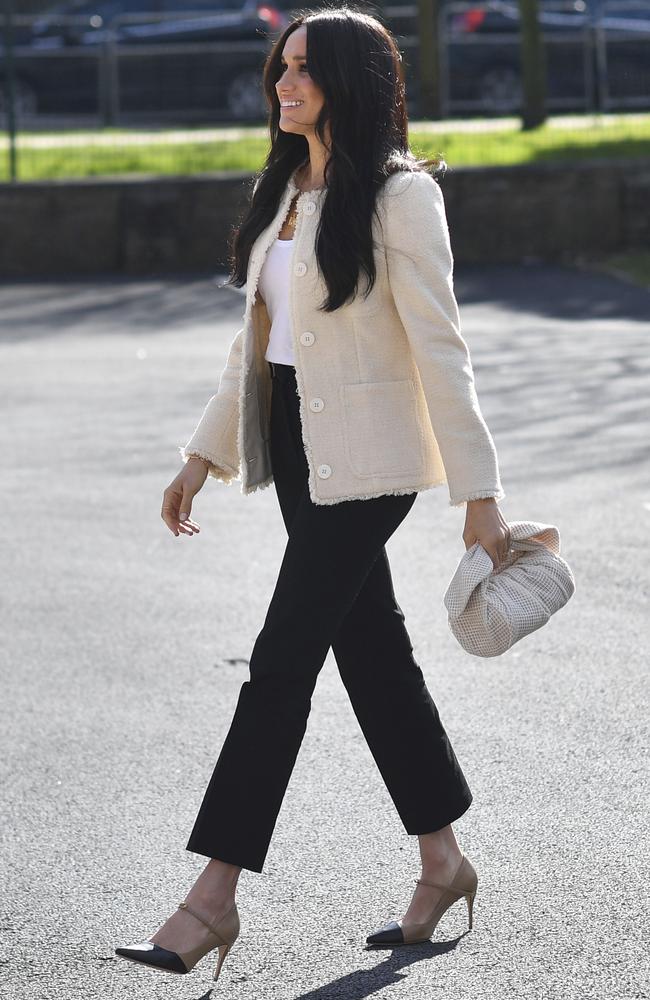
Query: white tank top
x=273 y=284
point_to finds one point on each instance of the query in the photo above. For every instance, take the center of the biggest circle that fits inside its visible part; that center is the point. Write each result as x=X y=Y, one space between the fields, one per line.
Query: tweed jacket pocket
x=382 y=431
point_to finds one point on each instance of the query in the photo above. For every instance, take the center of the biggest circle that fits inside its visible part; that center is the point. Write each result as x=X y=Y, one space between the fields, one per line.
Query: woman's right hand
x=177 y=498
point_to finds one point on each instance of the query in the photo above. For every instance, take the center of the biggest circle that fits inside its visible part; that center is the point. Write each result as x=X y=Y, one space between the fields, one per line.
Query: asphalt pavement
x=123 y=650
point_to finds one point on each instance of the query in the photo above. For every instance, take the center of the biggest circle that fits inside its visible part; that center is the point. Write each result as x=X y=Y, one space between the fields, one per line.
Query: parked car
x=201 y=59
x=579 y=72
x=597 y=53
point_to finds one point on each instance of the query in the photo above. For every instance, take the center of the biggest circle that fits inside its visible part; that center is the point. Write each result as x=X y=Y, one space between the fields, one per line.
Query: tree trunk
x=533 y=63
x=429 y=62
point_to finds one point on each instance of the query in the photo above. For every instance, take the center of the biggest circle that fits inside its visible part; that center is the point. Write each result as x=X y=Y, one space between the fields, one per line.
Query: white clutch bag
x=489 y=610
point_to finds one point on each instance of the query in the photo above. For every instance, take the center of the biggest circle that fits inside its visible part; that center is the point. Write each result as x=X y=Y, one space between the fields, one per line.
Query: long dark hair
x=355 y=61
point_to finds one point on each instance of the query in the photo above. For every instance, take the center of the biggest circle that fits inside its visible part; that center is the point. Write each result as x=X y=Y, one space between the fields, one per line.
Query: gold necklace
x=293 y=215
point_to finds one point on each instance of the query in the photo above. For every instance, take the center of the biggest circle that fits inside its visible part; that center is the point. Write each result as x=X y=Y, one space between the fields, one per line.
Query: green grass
x=620 y=140
x=633 y=265
x=542 y=145
x=99 y=161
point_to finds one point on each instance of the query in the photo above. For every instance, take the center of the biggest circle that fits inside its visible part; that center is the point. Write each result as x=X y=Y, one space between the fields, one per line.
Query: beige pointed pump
x=223 y=935
x=463 y=885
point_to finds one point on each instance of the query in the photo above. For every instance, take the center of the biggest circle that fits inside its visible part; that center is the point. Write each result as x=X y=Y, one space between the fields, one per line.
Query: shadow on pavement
x=566 y=293
x=35 y=310
x=368 y=982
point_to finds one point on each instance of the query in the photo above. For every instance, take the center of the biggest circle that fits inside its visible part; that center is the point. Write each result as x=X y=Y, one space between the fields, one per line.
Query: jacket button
x=316 y=404
x=310 y=208
x=307 y=338
x=324 y=471
x=300 y=268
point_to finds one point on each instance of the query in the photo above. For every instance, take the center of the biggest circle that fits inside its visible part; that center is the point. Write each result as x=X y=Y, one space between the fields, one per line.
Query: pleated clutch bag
x=490 y=610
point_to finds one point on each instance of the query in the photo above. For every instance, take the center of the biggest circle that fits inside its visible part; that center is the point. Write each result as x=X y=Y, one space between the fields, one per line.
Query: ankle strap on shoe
x=447 y=888
x=197 y=916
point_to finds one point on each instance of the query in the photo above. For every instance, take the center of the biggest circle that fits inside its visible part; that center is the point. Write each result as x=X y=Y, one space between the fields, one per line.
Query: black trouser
x=334 y=588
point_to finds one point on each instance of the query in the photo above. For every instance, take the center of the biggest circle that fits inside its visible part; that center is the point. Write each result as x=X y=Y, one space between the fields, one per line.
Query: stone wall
x=161 y=225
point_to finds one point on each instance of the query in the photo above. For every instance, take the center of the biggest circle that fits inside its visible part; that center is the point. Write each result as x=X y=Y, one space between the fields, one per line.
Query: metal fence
x=185 y=88
x=206 y=66
x=135 y=68
x=597 y=55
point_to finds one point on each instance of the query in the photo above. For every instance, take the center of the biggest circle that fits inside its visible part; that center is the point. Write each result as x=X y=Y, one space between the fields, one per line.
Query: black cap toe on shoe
x=154 y=956
x=390 y=933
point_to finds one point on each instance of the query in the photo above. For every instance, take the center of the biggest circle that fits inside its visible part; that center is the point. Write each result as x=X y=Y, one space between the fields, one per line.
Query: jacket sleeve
x=215 y=437
x=420 y=274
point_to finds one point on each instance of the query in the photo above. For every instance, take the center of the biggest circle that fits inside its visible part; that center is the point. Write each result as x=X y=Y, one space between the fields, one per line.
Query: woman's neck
x=307 y=184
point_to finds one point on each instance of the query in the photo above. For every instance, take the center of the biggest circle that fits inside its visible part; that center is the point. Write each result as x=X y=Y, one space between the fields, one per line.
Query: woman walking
x=350 y=388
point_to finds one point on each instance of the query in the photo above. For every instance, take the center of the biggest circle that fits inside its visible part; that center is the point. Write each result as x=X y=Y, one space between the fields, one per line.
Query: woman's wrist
x=198 y=458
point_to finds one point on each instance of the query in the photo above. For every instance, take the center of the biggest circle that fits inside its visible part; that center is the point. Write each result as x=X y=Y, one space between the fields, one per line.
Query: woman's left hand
x=484 y=523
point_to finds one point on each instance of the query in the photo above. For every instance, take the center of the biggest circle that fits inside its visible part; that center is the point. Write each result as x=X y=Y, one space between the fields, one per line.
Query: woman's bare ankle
x=216 y=883
x=439 y=851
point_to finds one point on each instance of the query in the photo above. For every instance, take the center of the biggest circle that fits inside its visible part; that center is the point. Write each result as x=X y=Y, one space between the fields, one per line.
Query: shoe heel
x=223 y=951
x=470 y=907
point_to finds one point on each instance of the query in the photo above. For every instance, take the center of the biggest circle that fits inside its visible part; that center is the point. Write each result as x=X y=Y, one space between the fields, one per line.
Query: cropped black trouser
x=334 y=588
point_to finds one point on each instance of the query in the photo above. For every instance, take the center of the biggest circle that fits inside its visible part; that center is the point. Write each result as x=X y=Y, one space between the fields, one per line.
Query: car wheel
x=245 y=98
x=500 y=90
x=25 y=100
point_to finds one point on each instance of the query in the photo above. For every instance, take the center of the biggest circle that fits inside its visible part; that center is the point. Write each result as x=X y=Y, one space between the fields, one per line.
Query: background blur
x=101 y=87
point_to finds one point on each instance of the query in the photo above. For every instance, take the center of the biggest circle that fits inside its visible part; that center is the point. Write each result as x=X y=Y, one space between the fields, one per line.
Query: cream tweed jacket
x=388 y=403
